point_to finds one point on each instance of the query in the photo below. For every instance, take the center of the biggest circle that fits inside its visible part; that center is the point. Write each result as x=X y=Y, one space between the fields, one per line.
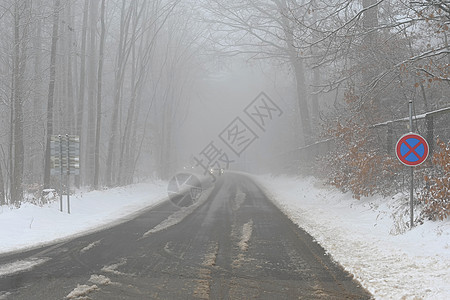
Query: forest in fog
x=124 y=76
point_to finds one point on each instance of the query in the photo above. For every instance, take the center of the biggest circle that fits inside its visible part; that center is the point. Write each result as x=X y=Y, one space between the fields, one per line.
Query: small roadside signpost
x=65 y=159
x=412 y=150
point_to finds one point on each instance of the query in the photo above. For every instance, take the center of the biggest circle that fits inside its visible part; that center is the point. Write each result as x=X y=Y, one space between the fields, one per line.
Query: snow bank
x=21 y=265
x=359 y=234
x=31 y=225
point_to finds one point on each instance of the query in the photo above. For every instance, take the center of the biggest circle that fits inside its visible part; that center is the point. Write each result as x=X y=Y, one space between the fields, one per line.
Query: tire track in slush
x=203 y=287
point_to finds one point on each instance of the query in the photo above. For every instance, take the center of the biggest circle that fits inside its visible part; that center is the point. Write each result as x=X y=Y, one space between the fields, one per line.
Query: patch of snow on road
x=113 y=268
x=239 y=199
x=21 y=266
x=81 y=291
x=180 y=215
x=247 y=231
x=90 y=246
x=100 y=280
x=367 y=238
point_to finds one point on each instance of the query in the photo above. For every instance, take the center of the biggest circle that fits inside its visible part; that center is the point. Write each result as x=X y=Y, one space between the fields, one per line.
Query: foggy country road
x=235 y=245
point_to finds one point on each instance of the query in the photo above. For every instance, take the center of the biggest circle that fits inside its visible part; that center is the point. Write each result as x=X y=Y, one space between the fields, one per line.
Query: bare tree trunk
x=299 y=72
x=99 y=97
x=15 y=98
x=370 y=18
x=122 y=58
x=51 y=91
x=133 y=150
x=20 y=59
x=70 y=84
x=92 y=86
x=80 y=108
x=2 y=188
x=166 y=131
x=315 y=107
x=37 y=151
x=370 y=22
x=125 y=141
x=60 y=97
x=315 y=99
x=447 y=45
x=302 y=101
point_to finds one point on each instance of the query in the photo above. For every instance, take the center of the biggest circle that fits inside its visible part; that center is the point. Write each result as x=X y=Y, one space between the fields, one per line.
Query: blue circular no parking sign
x=412 y=149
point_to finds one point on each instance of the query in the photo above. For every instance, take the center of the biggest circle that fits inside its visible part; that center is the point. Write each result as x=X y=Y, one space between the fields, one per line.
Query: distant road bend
x=234 y=245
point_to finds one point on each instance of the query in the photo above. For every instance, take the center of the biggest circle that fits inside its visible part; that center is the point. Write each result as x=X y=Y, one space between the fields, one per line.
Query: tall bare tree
x=69 y=78
x=2 y=188
x=122 y=56
x=99 y=95
x=21 y=20
x=82 y=90
x=36 y=153
x=92 y=87
x=51 y=91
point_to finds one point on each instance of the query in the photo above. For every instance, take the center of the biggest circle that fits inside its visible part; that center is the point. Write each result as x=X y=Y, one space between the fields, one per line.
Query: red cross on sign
x=412 y=149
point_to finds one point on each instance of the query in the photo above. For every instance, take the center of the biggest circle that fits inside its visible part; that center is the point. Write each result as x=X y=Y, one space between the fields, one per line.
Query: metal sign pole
x=411 y=193
x=61 y=173
x=68 y=174
x=411 y=198
x=412 y=150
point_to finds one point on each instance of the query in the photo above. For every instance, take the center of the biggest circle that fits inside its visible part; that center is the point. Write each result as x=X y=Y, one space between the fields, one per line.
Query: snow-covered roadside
x=31 y=225
x=357 y=234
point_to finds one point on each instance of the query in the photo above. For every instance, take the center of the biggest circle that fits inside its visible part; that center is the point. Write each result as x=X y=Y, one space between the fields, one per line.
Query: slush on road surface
x=234 y=244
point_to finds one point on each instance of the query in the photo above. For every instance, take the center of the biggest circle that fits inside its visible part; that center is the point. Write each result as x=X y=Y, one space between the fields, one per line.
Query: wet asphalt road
x=235 y=245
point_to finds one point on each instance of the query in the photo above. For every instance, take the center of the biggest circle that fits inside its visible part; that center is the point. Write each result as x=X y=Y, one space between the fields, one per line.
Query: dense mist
x=156 y=87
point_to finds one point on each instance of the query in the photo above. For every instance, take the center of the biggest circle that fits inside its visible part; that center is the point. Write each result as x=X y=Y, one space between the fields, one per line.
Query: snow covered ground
x=31 y=225
x=389 y=260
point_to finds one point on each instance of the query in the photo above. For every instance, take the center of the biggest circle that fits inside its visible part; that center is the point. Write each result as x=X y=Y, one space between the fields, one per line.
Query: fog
x=219 y=99
x=147 y=86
